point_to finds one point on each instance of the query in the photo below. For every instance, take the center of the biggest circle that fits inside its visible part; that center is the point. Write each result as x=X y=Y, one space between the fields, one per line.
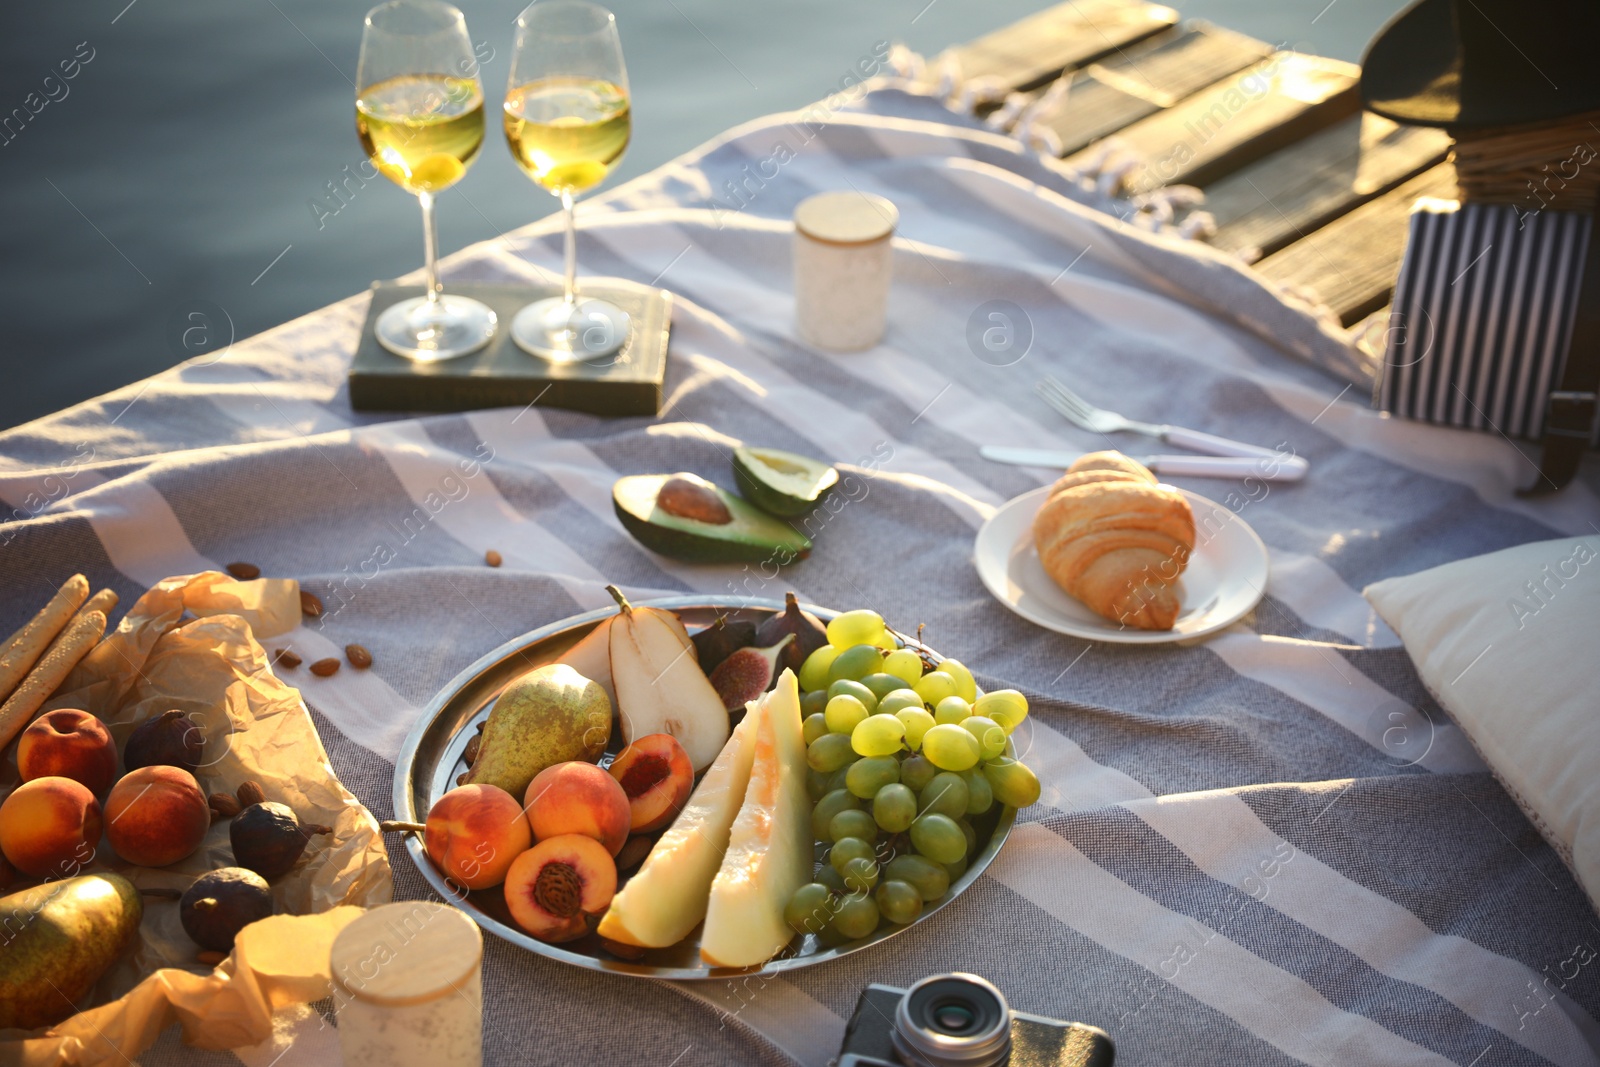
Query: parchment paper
x=190 y=643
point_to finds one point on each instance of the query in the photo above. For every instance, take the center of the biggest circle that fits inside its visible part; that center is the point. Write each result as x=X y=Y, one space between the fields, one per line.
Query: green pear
x=550 y=715
x=57 y=939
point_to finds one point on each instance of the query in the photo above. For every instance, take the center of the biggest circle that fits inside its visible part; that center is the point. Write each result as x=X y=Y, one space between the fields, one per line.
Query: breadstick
x=52 y=670
x=104 y=602
x=29 y=643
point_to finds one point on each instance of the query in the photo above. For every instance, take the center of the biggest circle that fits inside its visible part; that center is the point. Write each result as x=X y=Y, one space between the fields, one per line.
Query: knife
x=1267 y=468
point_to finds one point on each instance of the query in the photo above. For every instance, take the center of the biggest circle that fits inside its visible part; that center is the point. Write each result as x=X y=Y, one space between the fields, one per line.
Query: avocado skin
x=768 y=499
x=692 y=548
x=57 y=939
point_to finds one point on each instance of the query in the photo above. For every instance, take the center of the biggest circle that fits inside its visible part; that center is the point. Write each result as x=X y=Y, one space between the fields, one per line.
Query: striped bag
x=1482 y=315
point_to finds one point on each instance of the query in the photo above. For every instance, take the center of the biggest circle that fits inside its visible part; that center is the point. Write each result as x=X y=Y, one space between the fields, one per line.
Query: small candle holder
x=407 y=987
x=843 y=262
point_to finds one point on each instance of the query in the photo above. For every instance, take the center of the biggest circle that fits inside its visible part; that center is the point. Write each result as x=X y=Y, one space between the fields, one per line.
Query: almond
x=324 y=667
x=245 y=572
x=250 y=793
x=471 y=753
x=359 y=657
x=492 y=558
x=310 y=605
x=225 y=805
x=285 y=657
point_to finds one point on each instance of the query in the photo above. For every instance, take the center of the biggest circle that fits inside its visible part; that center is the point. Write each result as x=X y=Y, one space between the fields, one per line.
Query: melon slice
x=664 y=900
x=769 y=847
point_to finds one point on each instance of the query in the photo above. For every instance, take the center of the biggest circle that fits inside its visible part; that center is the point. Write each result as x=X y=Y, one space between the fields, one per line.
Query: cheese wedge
x=667 y=896
x=769 y=852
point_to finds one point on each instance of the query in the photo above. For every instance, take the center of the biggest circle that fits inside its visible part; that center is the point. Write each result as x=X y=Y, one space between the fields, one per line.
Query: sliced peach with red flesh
x=657 y=775
x=557 y=884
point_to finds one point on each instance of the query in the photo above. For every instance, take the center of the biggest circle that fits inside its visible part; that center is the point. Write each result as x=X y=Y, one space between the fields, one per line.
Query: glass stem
x=430 y=249
x=569 y=294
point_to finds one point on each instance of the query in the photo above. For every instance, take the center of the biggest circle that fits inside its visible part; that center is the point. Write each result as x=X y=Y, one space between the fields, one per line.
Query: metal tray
x=430 y=762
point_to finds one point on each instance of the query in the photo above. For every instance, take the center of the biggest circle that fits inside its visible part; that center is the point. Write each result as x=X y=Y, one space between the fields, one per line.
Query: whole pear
x=58 y=939
x=550 y=715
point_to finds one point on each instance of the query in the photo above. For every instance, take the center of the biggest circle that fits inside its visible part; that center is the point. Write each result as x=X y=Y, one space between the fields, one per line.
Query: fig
x=809 y=634
x=268 y=838
x=170 y=739
x=220 y=904
x=748 y=673
x=720 y=640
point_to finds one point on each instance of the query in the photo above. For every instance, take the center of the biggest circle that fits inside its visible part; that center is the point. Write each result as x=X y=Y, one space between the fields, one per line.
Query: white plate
x=1225 y=579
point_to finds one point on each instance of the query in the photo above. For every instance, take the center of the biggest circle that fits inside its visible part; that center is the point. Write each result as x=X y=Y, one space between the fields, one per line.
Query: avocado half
x=749 y=535
x=782 y=482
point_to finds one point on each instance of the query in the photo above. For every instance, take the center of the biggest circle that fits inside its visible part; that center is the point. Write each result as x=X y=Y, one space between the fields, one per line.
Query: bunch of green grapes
x=900 y=758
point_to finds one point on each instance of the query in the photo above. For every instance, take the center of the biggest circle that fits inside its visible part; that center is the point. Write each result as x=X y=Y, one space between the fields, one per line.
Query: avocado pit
x=687 y=497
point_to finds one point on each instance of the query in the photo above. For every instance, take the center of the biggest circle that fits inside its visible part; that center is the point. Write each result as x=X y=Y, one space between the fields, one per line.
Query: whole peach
x=67 y=743
x=578 y=798
x=156 y=816
x=473 y=834
x=49 y=827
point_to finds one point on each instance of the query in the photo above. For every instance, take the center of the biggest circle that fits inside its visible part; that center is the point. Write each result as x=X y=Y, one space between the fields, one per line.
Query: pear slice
x=659 y=684
x=591 y=657
x=667 y=896
x=769 y=852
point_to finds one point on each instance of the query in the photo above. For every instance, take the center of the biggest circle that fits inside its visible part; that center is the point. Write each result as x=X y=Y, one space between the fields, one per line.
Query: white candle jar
x=843 y=261
x=407 y=987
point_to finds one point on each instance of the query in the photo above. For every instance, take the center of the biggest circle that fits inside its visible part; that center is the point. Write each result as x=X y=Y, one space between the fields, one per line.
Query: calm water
x=179 y=164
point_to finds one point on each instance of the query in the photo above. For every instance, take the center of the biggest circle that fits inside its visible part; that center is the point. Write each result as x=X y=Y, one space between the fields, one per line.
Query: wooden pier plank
x=1295 y=191
x=1036 y=49
x=1238 y=120
x=1352 y=262
x=1146 y=78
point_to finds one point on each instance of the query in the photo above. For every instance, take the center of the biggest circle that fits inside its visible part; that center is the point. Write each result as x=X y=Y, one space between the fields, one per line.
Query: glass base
x=453 y=327
x=570 y=333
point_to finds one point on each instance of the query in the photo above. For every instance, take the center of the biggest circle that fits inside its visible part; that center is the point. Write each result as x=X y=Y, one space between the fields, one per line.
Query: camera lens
x=952 y=1020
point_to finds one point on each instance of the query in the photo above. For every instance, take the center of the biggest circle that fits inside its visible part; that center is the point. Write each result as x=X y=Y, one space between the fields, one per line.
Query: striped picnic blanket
x=1263 y=848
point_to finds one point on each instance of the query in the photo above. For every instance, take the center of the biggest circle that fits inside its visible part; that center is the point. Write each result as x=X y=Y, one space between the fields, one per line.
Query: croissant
x=1116 y=540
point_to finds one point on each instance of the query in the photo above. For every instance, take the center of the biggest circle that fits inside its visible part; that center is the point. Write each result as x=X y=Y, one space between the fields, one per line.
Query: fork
x=1080 y=412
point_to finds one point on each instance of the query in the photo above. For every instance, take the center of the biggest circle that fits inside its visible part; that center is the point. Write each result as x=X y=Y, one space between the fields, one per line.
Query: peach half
x=557 y=885
x=578 y=798
x=49 y=827
x=67 y=743
x=657 y=776
x=474 y=833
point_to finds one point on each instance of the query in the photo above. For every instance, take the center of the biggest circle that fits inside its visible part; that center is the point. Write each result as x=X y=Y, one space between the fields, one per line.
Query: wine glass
x=568 y=123
x=419 y=111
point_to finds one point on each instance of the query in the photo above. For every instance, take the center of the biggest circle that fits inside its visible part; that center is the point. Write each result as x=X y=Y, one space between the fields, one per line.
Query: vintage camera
x=954 y=1019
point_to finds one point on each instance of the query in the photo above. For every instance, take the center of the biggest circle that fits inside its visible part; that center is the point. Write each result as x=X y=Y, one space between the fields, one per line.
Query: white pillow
x=1509 y=645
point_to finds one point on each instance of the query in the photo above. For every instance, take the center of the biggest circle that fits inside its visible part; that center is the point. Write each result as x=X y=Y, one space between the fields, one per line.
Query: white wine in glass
x=568 y=121
x=420 y=117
